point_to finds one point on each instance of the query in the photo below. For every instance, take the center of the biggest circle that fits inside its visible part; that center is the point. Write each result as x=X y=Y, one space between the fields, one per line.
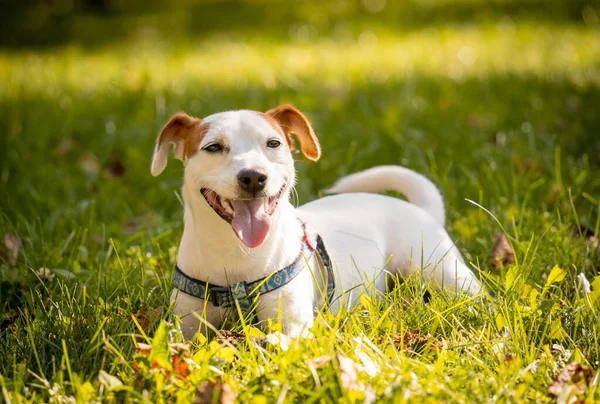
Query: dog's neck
x=210 y=251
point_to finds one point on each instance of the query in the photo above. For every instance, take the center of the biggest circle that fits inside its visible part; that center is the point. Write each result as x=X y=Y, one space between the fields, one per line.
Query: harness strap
x=224 y=296
x=328 y=267
x=244 y=293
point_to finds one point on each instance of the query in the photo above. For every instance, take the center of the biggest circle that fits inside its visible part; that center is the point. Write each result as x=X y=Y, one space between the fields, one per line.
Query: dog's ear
x=182 y=131
x=293 y=121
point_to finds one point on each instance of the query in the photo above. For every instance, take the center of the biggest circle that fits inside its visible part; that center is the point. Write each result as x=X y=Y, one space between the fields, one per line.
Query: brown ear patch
x=275 y=125
x=289 y=120
x=182 y=131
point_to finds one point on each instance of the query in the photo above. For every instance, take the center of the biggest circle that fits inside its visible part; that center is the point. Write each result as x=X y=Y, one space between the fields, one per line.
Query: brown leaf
x=349 y=373
x=64 y=147
x=143 y=349
x=509 y=358
x=229 y=337
x=585 y=231
x=527 y=165
x=179 y=360
x=148 y=318
x=574 y=378
x=502 y=252
x=476 y=121
x=215 y=392
x=10 y=251
x=416 y=341
x=181 y=367
x=8 y=320
x=115 y=167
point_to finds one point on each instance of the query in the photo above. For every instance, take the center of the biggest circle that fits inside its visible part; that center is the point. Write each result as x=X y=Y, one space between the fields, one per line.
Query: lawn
x=497 y=102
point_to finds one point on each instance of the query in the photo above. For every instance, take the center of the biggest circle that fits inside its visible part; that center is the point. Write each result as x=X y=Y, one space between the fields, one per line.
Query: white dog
x=243 y=239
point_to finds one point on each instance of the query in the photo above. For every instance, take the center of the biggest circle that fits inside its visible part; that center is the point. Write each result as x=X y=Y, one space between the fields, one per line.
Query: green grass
x=496 y=102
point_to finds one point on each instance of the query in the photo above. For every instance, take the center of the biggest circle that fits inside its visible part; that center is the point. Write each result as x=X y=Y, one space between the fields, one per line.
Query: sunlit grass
x=559 y=52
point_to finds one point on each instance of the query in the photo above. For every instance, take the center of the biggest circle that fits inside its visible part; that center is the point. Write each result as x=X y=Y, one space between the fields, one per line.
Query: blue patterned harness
x=244 y=293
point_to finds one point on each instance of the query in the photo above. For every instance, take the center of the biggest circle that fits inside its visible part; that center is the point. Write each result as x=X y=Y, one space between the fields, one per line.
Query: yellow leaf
x=533 y=295
x=226 y=353
x=201 y=339
x=109 y=381
x=367 y=302
x=200 y=356
x=511 y=276
x=85 y=392
x=254 y=332
x=159 y=354
x=259 y=400
x=213 y=346
x=556 y=275
x=595 y=295
x=556 y=330
x=500 y=321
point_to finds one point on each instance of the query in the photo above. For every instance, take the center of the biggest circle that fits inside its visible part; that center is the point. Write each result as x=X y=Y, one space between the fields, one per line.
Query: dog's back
x=368 y=233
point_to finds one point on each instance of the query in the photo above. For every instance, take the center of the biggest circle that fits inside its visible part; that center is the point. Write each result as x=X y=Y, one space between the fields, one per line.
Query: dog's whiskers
x=295 y=199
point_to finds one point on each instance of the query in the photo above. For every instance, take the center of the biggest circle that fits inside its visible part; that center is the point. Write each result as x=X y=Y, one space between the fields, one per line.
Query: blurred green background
x=496 y=101
x=485 y=97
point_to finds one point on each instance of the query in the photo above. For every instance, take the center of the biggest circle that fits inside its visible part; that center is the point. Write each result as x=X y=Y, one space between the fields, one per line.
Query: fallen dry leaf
x=509 y=358
x=10 y=251
x=584 y=231
x=181 y=366
x=148 y=318
x=583 y=284
x=416 y=341
x=143 y=349
x=573 y=379
x=527 y=165
x=8 y=320
x=215 y=392
x=279 y=339
x=64 y=147
x=349 y=373
x=476 y=121
x=115 y=167
x=180 y=360
x=502 y=252
x=230 y=337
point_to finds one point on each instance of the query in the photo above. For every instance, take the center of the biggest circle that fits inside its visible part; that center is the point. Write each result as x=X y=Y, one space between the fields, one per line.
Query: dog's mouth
x=249 y=218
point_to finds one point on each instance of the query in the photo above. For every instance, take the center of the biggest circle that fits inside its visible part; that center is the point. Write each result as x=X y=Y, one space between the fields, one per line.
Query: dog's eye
x=273 y=143
x=213 y=148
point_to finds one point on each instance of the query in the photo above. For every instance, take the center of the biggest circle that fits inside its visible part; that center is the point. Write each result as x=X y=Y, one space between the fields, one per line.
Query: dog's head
x=240 y=161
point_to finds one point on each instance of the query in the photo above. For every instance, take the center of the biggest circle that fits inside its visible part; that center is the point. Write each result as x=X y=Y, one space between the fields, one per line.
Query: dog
x=244 y=242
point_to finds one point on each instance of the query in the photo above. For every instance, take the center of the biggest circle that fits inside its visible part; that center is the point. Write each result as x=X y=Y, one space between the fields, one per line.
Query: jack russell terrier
x=245 y=244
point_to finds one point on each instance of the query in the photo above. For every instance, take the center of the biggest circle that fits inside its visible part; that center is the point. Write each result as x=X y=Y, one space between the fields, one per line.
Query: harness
x=246 y=292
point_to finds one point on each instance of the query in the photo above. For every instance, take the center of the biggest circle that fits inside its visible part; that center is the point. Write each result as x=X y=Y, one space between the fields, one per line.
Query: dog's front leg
x=190 y=309
x=292 y=305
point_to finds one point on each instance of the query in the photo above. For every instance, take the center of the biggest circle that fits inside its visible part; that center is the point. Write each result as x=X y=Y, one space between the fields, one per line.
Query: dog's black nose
x=252 y=181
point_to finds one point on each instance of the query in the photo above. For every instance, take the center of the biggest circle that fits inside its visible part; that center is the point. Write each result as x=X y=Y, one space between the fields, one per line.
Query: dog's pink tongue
x=251 y=222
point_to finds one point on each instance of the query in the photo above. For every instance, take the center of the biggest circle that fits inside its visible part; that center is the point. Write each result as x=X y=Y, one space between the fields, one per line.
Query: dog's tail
x=418 y=189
